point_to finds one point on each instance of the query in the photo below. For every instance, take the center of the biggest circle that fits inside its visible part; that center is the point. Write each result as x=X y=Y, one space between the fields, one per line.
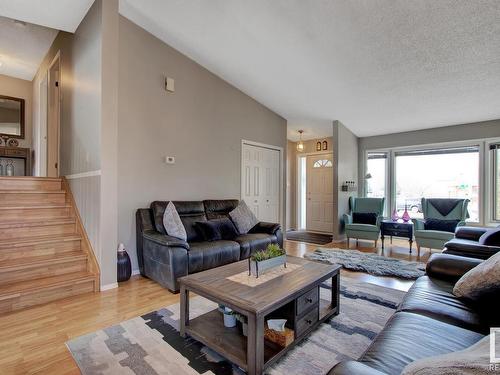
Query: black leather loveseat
x=164 y=258
x=474 y=242
x=430 y=321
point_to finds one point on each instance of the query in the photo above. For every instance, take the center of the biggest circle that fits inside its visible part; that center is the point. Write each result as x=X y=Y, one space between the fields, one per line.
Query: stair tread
x=18 y=191
x=39 y=239
x=42 y=260
x=17 y=288
x=37 y=222
x=25 y=207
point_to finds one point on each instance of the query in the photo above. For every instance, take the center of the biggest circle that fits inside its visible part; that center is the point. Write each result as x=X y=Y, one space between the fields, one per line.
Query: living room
x=249 y=187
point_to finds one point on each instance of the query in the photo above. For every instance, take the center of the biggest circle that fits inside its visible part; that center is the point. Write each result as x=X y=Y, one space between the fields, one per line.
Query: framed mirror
x=11 y=117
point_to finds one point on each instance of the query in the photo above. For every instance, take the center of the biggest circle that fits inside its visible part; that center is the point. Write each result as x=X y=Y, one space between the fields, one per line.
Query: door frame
x=281 y=202
x=55 y=60
x=298 y=188
x=41 y=139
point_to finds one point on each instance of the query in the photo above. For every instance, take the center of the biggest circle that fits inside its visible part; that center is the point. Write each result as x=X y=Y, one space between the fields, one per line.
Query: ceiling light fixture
x=300 y=144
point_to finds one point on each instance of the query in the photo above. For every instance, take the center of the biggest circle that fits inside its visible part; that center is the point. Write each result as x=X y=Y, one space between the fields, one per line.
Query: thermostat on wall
x=170 y=159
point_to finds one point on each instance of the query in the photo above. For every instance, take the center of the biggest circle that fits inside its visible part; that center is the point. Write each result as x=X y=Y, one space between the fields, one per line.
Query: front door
x=260 y=181
x=319 y=193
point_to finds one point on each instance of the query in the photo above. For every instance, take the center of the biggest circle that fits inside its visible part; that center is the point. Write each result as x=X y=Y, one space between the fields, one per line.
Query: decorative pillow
x=172 y=222
x=441 y=225
x=481 y=282
x=243 y=218
x=473 y=360
x=217 y=229
x=364 y=218
x=490 y=238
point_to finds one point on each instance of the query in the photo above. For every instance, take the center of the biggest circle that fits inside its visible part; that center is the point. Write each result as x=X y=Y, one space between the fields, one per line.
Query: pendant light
x=300 y=144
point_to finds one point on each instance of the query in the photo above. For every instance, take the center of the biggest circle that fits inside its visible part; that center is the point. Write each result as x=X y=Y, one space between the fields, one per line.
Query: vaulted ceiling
x=378 y=66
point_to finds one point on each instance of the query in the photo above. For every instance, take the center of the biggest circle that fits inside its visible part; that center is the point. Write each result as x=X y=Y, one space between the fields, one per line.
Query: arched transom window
x=324 y=163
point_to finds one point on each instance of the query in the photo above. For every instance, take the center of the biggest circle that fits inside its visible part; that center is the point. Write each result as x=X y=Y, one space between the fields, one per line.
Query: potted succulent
x=264 y=260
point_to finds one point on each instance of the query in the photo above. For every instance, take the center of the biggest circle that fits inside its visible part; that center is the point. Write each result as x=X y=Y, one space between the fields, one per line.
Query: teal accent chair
x=435 y=239
x=364 y=231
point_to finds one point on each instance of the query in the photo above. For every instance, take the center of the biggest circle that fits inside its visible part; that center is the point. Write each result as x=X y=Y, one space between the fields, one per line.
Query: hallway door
x=53 y=117
x=319 y=193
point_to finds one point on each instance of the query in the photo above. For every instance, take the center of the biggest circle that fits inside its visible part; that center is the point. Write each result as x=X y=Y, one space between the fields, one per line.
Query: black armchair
x=474 y=242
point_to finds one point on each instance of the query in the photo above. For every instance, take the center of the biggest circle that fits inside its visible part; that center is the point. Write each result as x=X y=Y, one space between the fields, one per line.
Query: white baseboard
x=109 y=286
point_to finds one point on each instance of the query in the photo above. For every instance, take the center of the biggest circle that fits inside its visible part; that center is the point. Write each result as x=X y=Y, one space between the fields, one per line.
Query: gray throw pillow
x=243 y=218
x=481 y=281
x=471 y=361
x=172 y=222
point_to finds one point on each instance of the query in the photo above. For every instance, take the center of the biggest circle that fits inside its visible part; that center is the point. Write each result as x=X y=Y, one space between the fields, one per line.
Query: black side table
x=396 y=229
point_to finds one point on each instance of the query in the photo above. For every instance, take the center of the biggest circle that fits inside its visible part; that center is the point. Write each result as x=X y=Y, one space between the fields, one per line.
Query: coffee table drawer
x=307 y=321
x=306 y=300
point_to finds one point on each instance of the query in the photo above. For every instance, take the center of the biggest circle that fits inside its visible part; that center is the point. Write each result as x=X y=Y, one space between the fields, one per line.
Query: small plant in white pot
x=264 y=260
x=229 y=316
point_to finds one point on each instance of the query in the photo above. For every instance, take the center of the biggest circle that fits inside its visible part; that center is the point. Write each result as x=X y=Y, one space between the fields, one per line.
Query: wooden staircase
x=45 y=254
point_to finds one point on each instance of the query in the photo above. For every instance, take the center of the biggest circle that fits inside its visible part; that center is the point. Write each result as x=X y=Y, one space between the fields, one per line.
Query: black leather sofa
x=164 y=258
x=474 y=242
x=430 y=321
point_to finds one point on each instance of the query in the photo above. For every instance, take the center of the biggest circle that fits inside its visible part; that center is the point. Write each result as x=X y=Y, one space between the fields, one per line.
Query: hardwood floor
x=33 y=340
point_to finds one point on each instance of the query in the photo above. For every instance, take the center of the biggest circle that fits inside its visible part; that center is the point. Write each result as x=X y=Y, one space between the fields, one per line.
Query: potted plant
x=264 y=260
x=229 y=316
x=242 y=319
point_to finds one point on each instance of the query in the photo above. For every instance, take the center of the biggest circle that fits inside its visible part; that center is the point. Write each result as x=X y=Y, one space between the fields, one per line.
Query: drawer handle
x=309 y=300
x=309 y=321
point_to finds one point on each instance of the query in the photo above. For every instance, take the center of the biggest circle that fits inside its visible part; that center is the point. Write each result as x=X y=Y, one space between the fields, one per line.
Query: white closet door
x=319 y=203
x=260 y=181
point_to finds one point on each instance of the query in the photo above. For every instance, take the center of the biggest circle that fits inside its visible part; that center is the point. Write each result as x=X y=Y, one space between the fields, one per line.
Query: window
x=437 y=173
x=495 y=149
x=376 y=174
x=323 y=163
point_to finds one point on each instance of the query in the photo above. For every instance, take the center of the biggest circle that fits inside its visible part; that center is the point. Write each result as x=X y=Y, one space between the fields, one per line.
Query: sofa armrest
x=347 y=219
x=419 y=224
x=164 y=240
x=264 y=227
x=471 y=249
x=449 y=267
x=469 y=233
x=353 y=367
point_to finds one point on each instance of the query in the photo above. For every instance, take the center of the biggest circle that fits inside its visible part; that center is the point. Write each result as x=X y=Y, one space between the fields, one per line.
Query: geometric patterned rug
x=151 y=344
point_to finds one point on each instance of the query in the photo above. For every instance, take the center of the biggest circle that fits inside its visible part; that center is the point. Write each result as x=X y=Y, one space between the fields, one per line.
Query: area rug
x=373 y=264
x=150 y=344
x=309 y=237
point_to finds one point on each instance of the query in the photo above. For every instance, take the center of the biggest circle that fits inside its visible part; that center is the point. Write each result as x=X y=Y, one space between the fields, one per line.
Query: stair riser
x=25 y=214
x=45 y=230
x=35 y=272
x=32 y=199
x=43 y=296
x=42 y=249
x=29 y=184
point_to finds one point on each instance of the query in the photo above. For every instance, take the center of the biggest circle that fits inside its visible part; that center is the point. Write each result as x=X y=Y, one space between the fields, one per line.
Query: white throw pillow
x=471 y=361
x=483 y=280
x=243 y=218
x=172 y=222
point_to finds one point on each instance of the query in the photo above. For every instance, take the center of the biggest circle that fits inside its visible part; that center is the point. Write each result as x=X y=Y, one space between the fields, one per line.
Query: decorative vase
x=124 y=267
x=406 y=215
x=395 y=216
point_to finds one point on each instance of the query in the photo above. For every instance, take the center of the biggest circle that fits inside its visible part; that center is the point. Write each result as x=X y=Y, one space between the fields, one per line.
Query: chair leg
x=376 y=243
x=357 y=242
x=348 y=242
x=418 y=250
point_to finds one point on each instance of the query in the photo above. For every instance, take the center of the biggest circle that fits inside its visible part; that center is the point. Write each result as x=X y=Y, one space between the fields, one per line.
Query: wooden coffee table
x=293 y=295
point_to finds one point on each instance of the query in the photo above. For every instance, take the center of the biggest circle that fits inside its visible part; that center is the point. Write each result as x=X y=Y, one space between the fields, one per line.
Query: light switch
x=169 y=84
x=170 y=159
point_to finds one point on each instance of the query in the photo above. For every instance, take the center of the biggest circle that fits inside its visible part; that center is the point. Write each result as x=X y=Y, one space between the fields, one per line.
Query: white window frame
x=486 y=178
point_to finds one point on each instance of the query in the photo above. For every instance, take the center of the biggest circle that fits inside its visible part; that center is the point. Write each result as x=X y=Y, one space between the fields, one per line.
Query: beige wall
x=292 y=153
x=346 y=155
x=88 y=124
x=23 y=89
x=201 y=125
